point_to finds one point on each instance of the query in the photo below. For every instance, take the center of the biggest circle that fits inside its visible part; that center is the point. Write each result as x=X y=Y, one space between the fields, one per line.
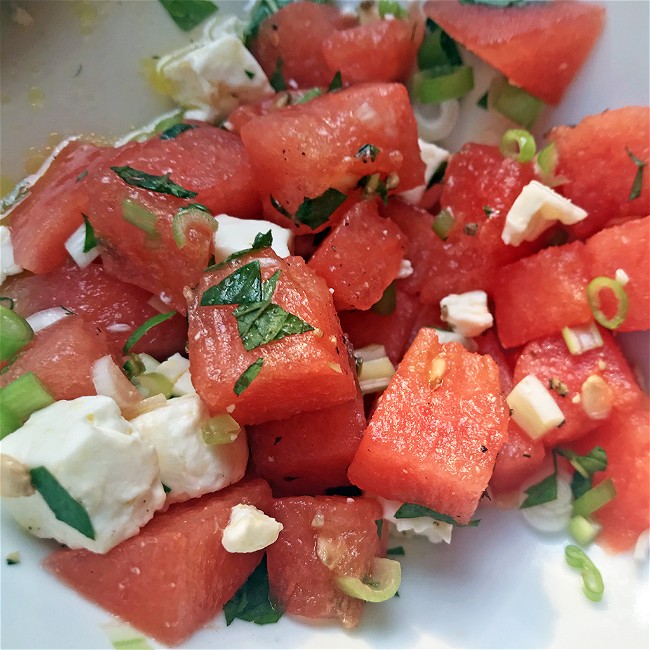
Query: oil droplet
x=87 y=15
x=36 y=97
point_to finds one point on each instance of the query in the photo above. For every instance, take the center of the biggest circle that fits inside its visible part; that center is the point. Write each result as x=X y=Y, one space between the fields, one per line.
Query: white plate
x=497 y=586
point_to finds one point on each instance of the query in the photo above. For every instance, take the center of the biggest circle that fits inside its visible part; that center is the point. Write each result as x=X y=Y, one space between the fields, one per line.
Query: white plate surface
x=500 y=585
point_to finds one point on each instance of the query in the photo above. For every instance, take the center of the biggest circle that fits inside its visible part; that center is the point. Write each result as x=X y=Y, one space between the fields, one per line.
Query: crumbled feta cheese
x=183 y=385
x=533 y=407
x=234 y=235
x=188 y=465
x=100 y=461
x=8 y=265
x=150 y=364
x=249 y=530
x=454 y=337
x=432 y=157
x=435 y=531
x=535 y=210
x=405 y=269
x=174 y=367
x=215 y=74
x=621 y=277
x=467 y=313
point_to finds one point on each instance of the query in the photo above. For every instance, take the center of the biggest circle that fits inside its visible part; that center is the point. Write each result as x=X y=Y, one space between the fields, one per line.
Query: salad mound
x=247 y=348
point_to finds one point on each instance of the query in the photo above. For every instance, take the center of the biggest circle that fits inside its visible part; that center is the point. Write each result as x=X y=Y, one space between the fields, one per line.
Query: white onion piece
x=436 y=121
x=158 y=304
x=111 y=382
x=42 y=319
x=554 y=516
x=75 y=247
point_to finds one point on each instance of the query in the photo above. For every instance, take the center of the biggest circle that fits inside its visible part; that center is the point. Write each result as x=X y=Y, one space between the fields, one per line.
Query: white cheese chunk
x=174 y=367
x=249 y=530
x=535 y=210
x=553 y=516
x=405 y=270
x=75 y=246
x=435 y=531
x=533 y=407
x=432 y=157
x=467 y=313
x=214 y=75
x=234 y=235
x=183 y=385
x=621 y=277
x=101 y=462
x=188 y=466
x=454 y=337
x=8 y=265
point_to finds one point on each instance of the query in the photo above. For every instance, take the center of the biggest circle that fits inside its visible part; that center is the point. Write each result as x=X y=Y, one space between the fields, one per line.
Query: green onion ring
x=593 y=298
x=518 y=144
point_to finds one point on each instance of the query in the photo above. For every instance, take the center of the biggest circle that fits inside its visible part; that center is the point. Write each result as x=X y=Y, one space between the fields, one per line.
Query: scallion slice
x=191 y=217
x=443 y=223
x=582 y=338
x=382 y=583
x=153 y=383
x=220 y=430
x=583 y=530
x=593 y=298
x=442 y=83
x=24 y=396
x=140 y=217
x=547 y=159
x=595 y=498
x=9 y=421
x=518 y=144
x=514 y=103
x=15 y=333
x=592 y=581
x=144 y=328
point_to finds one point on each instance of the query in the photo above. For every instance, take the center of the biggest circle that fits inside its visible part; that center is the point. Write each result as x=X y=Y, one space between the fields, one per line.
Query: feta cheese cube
x=432 y=156
x=249 y=530
x=174 y=367
x=8 y=265
x=435 y=531
x=101 y=462
x=189 y=466
x=533 y=407
x=183 y=385
x=535 y=210
x=234 y=235
x=467 y=313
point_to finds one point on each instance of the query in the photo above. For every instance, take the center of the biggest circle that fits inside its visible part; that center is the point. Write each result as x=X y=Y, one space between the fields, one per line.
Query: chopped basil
x=13 y=558
x=64 y=507
x=166 y=488
x=251 y=602
x=246 y=378
x=161 y=184
x=277 y=79
x=470 y=229
x=279 y=207
x=261 y=11
x=315 y=212
x=544 y=491
x=558 y=386
x=367 y=152
x=89 y=237
x=483 y=101
x=396 y=550
x=585 y=468
x=489 y=212
x=373 y=185
x=438 y=175
x=637 y=183
x=336 y=83
x=380 y=527
x=250 y=74
x=187 y=14
x=412 y=510
x=242 y=286
x=144 y=328
x=175 y=130
x=262 y=240
x=392 y=8
x=438 y=48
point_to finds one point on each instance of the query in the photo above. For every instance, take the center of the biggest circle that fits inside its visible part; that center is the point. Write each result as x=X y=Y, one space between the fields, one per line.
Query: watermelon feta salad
x=345 y=293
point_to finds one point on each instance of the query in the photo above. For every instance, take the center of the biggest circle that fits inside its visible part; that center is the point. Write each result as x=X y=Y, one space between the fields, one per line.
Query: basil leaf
x=251 y=602
x=277 y=80
x=411 y=510
x=637 y=183
x=392 y=7
x=187 y=14
x=279 y=207
x=268 y=288
x=438 y=48
x=336 y=83
x=396 y=550
x=175 y=130
x=64 y=507
x=367 y=152
x=580 y=484
x=161 y=184
x=373 y=185
x=166 y=488
x=483 y=101
x=315 y=212
x=268 y=323
x=246 y=378
x=542 y=492
x=89 y=237
x=380 y=526
x=438 y=175
x=262 y=240
x=242 y=287
x=262 y=10
x=144 y=328
x=589 y=464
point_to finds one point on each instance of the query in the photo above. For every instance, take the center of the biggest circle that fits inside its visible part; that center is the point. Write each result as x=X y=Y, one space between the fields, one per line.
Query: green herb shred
x=368 y=152
x=89 y=236
x=637 y=183
x=277 y=80
x=176 y=130
x=412 y=510
x=314 y=212
x=247 y=377
x=161 y=184
x=187 y=14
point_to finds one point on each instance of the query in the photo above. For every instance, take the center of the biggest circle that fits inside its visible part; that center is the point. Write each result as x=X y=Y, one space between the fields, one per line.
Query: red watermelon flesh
x=174 y=576
x=539 y=46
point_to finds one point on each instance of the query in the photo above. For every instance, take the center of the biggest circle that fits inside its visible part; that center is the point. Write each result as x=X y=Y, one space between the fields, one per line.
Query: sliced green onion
x=25 y=395
x=443 y=223
x=437 y=48
x=144 y=328
x=9 y=421
x=595 y=498
x=442 y=83
x=11 y=301
x=153 y=383
x=582 y=338
x=140 y=217
x=220 y=430
x=547 y=159
x=593 y=298
x=191 y=216
x=382 y=583
x=134 y=366
x=388 y=301
x=592 y=581
x=519 y=145
x=15 y=333
x=514 y=103
x=583 y=530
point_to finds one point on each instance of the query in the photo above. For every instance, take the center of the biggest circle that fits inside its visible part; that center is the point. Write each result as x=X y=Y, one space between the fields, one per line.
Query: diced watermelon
x=309 y=452
x=539 y=46
x=43 y=221
x=111 y=305
x=311 y=368
x=488 y=343
x=624 y=247
x=625 y=437
x=549 y=358
x=61 y=356
x=559 y=276
x=303 y=151
x=323 y=537
x=360 y=257
x=593 y=157
x=174 y=576
x=437 y=429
